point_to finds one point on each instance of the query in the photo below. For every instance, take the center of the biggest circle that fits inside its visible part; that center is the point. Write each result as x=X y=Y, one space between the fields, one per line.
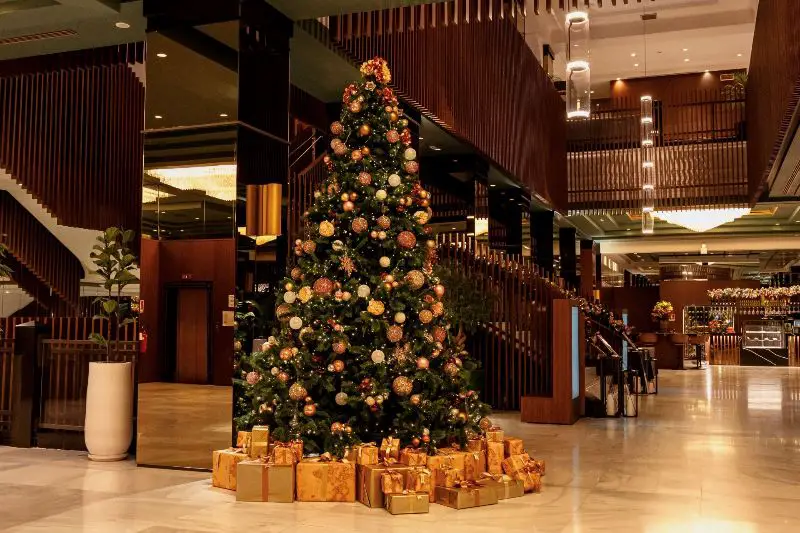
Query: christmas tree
x=365 y=349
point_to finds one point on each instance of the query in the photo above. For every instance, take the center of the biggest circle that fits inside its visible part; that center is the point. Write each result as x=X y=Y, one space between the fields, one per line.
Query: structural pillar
x=542 y=239
x=569 y=260
x=588 y=272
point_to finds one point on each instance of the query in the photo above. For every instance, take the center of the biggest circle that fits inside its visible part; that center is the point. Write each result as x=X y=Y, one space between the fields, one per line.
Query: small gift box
x=259 y=481
x=495 y=434
x=511 y=465
x=259 y=439
x=223 y=467
x=321 y=479
x=283 y=454
x=435 y=462
x=368 y=487
x=468 y=494
x=532 y=482
x=513 y=446
x=366 y=454
x=390 y=448
x=393 y=481
x=474 y=465
x=447 y=476
x=407 y=503
x=476 y=444
x=504 y=485
x=419 y=480
x=537 y=466
x=243 y=440
x=495 y=451
x=297 y=448
x=413 y=457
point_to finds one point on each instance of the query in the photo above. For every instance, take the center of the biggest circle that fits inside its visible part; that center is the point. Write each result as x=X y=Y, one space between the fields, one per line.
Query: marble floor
x=717 y=451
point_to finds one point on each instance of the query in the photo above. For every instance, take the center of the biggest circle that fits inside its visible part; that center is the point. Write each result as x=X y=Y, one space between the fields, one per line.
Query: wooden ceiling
x=547 y=6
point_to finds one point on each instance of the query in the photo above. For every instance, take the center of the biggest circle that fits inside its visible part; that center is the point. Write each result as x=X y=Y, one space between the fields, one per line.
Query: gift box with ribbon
x=505 y=486
x=447 y=476
x=476 y=444
x=495 y=451
x=513 y=446
x=466 y=494
x=366 y=454
x=413 y=457
x=457 y=458
x=390 y=448
x=368 y=488
x=283 y=454
x=393 y=481
x=495 y=434
x=419 y=480
x=523 y=468
x=323 y=479
x=407 y=502
x=259 y=446
x=474 y=465
x=260 y=481
x=243 y=440
x=223 y=467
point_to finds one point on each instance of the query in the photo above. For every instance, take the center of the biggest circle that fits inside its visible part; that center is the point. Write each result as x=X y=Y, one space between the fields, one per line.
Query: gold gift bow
x=500 y=478
x=414 y=451
x=270 y=458
x=360 y=449
x=392 y=474
x=419 y=470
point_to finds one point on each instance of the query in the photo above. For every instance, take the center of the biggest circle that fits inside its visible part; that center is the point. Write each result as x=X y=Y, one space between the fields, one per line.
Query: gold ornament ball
x=406 y=240
x=348 y=429
x=453 y=412
x=415 y=279
x=237 y=346
x=384 y=222
x=344 y=197
x=286 y=354
x=338 y=365
x=402 y=386
x=364 y=130
x=394 y=333
x=296 y=273
x=381 y=235
x=423 y=363
x=326 y=229
x=355 y=107
x=323 y=286
x=415 y=399
x=384 y=262
x=425 y=316
x=485 y=423
x=365 y=150
x=348 y=206
x=356 y=155
x=451 y=369
x=283 y=377
x=387 y=286
x=339 y=347
x=376 y=307
x=373 y=234
x=309 y=409
x=353 y=196
x=289 y=286
x=297 y=392
x=439 y=290
x=369 y=400
x=393 y=116
x=388 y=109
x=462 y=416
x=360 y=225
x=389 y=278
x=399 y=317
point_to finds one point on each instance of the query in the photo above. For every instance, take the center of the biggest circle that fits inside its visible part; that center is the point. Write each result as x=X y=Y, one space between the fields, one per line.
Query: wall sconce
x=263 y=212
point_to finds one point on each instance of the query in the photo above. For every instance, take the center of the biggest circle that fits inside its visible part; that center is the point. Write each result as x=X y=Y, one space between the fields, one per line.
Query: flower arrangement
x=661 y=311
x=764 y=293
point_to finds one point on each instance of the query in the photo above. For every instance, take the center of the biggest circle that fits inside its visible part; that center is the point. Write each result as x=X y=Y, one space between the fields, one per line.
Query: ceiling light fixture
x=578 y=75
x=217 y=181
x=738 y=55
x=435 y=148
x=686 y=60
x=223 y=115
x=636 y=64
x=685 y=49
x=159 y=117
x=122 y=25
x=633 y=54
x=701 y=220
x=161 y=55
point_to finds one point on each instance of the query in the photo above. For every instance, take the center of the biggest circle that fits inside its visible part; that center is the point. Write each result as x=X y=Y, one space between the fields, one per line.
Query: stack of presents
x=401 y=480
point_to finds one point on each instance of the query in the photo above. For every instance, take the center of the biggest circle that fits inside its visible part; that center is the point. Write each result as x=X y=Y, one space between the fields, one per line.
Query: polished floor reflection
x=717 y=451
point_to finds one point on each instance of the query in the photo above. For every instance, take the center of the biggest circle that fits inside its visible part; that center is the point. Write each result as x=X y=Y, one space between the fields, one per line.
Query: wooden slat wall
x=43 y=255
x=71 y=328
x=6 y=379
x=70 y=133
x=773 y=87
x=482 y=83
x=542 y=7
x=700 y=155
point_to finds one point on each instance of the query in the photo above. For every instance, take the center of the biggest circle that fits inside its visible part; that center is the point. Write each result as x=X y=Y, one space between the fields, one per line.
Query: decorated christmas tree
x=365 y=350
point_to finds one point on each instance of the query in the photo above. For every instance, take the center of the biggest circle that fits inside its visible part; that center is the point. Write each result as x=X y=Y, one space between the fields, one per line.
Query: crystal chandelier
x=701 y=220
x=578 y=72
x=647 y=151
x=217 y=181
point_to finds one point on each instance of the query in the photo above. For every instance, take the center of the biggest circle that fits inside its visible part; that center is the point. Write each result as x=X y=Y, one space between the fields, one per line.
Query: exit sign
x=186 y=276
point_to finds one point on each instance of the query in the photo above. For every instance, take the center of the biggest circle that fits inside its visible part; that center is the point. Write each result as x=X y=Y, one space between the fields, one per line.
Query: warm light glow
x=648 y=164
x=481 y=226
x=578 y=114
x=648 y=187
x=700 y=220
x=218 y=181
x=577 y=17
x=161 y=55
x=577 y=66
x=151 y=195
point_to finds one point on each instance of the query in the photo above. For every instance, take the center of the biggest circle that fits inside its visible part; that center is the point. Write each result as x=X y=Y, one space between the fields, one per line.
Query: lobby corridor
x=717 y=451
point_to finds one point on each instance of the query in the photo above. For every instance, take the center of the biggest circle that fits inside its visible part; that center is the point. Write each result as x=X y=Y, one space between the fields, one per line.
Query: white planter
x=109 y=410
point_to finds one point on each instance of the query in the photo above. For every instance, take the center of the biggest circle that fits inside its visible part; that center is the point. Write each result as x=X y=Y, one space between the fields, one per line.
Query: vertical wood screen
x=70 y=133
x=465 y=65
x=6 y=379
x=700 y=154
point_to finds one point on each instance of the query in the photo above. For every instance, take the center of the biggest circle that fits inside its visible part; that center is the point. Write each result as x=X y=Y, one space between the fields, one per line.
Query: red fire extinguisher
x=142 y=341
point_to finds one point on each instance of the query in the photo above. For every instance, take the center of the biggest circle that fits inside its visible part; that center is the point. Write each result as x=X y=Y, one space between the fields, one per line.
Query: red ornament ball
x=337 y=128
x=323 y=286
x=360 y=225
x=406 y=239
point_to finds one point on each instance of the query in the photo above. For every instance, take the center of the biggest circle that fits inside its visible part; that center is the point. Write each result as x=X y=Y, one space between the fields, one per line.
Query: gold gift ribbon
x=420 y=472
x=393 y=478
x=500 y=478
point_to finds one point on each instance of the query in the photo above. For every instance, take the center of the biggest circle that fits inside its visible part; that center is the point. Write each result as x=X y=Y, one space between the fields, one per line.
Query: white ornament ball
x=295 y=322
x=272 y=340
x=341 y=398
x=384 y=262
x=363 y=291
x=317 y=194
x=381 y=235
x=337 y=246
x=289 y=297
x=399 y=317
x=394 y=180
x=378 y=356
x=274 y=371
x=380 y=195
x=410 y=154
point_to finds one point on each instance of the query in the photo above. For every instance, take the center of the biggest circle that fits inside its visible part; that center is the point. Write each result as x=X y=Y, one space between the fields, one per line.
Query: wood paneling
x=683 y=293
x=638 y=301
x=773 y=87
x=192 y=337
x=483 y=84
x=70 y=133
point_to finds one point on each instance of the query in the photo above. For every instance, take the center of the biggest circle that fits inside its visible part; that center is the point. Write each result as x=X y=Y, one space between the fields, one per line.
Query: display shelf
x=763 y=334
x=705 y=319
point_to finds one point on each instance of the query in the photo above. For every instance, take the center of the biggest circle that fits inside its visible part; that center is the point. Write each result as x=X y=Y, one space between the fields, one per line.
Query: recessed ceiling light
x=229 y=218
x=633 y=54
x=223 y=115
x=686 y=60
x=421 y=138
x=685 y=49
x=122 y=25
x=197 y=218
x=492 y=185
x=159 y=116
x=777 y=223
x=628 y=229
x=435 y=148
x=592 y=92
x=738 y=55
x=636 y=64
x=161 y=54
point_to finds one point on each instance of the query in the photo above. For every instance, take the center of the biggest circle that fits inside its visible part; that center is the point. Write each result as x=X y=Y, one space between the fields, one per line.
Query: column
x=542 y=239
x=568 y=258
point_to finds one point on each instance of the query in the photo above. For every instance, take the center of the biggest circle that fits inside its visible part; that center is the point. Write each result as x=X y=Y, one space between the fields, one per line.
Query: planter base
x=107 y=458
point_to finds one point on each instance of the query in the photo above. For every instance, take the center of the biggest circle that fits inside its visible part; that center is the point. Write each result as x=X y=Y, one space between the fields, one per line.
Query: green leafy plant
x=661 y=311
x=735 y=90
x=467 y=306
x=114 y=260
x=5 y=270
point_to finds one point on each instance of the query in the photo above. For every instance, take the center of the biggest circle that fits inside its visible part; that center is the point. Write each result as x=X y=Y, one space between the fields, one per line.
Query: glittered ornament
x=252 y=378
x=360 y=225
x=363 y=291
x=289 y=297
x=410 y=154
x=380 y=195
x=439 y=290
x=402 y=386
x=339 y=347
x=406 y=239
x=295 y=322
x=365 y=150
x=395 y=180
x=364 y=130
x=283 y=376
x=274 y=371
x=415 y=399
x=384 y=262
x=282 y=311
x=376 y=307
x=439 y=334
x=341 y=398
x=337 y=246
x=338 y=365
x=412 y=167
x=369 y=400
x=393 y=116
x=346 y=296
x=336 y=427
x=423 y=363
x=364 y=178
x=451 y=369
x=355 y=107
x=337 y=128
x=437 y=308
x=430 y=244
x=296 y=273
x=348 y=265
x=381 y=235
x=392 y=136
x=286 y=354
x=425 y=316
x=356 y=155
x=309 y=409
x=378 y=357
x=305 y=294
x=340 y=149
x=394 y=333
x=309 y=246
x=297 y=392
x=384 y=222
x=326 y=228
x=399 y=317
x=348 y=206
x=485 y=423
x=415 y=279
x=323 y=286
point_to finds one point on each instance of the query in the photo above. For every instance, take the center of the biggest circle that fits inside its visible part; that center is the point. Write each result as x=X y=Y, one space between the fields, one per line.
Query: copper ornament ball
x=364 y=178
x=356 y=155
x=402 y=386
x=336 y=427
x=337 y=128
x=365 y=150
x=451 y=369
x=485 y=423
x=348 y=206
x=339 y=347
x=415 y=442
x=394 y=333
x=297 y=392
x=373 y=234
x=338 y=365
x=353 y=196
x=423 y=363
x=323 y=286
x=439 y=290
x=426 y=438
x=359 y=225
x=355 y=107
x=439 y=334
x=364 y=130
x=415 y=399
x=406 y=240
x=384 y=222
x=286 y=354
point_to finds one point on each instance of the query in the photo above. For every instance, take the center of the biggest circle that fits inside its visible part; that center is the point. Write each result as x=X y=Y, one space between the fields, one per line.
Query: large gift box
x=474 y=465
x=223 y=467
x=504 y=485
x=259 y=441
x=390 y=448
x=413 y=457
x=495 y=434
x=495 y=451
x=323 y=480
x=457 y=458
x=368 y=487
x=469 y=495
x=513 y=446
x=447 y=476
x=407 y=503
x=259 y=481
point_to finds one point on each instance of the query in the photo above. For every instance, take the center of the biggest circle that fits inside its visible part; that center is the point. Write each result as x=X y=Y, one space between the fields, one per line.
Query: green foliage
x=736 y=89
x=5 y=270
x=114 y=262
x=466 y=304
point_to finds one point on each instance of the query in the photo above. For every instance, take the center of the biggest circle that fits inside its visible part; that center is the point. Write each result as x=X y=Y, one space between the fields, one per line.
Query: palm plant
x=114 y=260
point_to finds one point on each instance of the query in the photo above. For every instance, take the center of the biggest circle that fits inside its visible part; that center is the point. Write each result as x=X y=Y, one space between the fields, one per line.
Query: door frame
x=208 y=286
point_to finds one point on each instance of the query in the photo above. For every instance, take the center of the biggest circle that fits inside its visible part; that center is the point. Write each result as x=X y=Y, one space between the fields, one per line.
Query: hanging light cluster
x=648 y=151
x=579 y=102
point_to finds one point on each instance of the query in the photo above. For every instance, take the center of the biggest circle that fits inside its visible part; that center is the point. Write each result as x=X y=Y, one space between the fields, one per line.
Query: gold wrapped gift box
x=504 y=485
x=466 y=497
x=223 y=467
x=390 y=448
x=447 y=476
x=495 y=452
x=523 y=468
x=368 y=487
x=259 y=441
x=513 y=446
x=476 y=444
x=407 y=503
x=366 y=454
x=393 y=481
x=243 y=440
x=495 y=434
x=320 y=480
x=413 y=457
x=259 y=481
x=474 y=465
x=419 y=480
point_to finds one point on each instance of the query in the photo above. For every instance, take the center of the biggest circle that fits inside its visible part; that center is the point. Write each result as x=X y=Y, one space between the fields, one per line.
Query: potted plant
x=661 y=313
x=109 y=398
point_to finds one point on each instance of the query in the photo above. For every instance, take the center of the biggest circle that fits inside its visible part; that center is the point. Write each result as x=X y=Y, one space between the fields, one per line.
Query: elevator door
x=191 y=336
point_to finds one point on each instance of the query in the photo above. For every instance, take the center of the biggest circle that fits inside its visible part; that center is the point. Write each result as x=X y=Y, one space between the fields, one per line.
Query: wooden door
x=192 y=336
